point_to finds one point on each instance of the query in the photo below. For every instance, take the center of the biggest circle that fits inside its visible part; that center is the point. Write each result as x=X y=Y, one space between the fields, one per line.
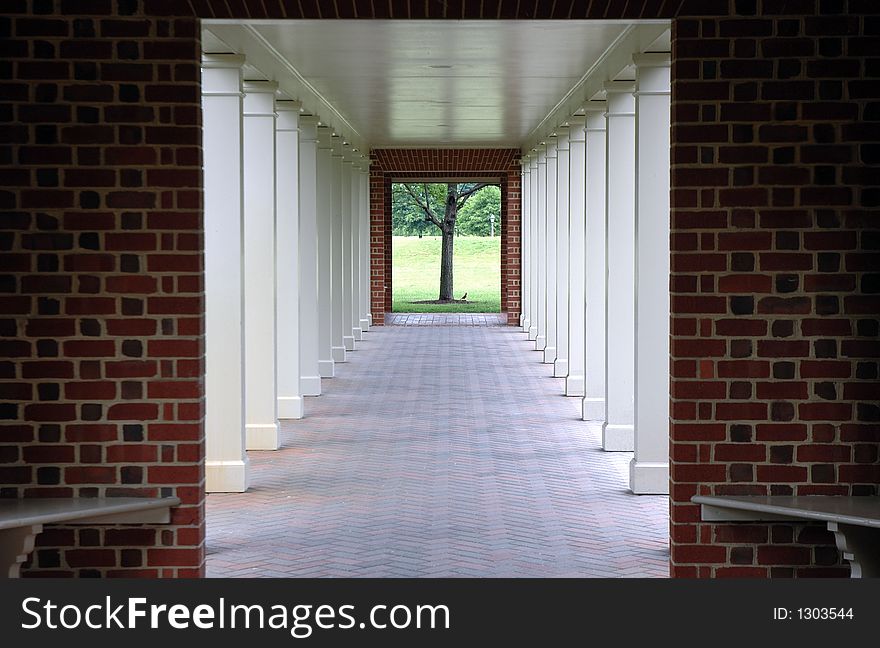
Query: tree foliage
x=409 y=219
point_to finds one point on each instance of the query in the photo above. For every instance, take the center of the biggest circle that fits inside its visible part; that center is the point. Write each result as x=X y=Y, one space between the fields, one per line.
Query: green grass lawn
x=416 y=274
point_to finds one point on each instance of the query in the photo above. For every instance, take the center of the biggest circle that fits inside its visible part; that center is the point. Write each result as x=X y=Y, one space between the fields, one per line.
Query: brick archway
x=500 y=165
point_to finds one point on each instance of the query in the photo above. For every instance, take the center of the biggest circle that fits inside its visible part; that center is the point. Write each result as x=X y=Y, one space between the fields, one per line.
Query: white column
x=308 y=245
x=525 y=245
x=574 y=382
x=260 y=377
x=356 y=331
x=290 y=402
x=337 y=316
x=617 y=430
x=594 y=390
x=560 y=365
x=649 y=468
x=347 y=244
x=533 y=245
x=226 y=465
x=541 y=310
x=550 y=252
x=326 y=364
x=364 y=245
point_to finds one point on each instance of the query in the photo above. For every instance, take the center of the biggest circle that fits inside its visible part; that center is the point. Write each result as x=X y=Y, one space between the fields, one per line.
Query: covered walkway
x=439 y=452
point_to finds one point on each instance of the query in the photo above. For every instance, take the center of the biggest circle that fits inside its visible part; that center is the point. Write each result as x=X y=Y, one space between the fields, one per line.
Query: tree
x=475 y=219
x=427 y=198
x=406 y=218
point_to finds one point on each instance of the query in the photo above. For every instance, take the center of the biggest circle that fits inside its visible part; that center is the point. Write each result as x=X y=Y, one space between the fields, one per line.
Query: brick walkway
x=439 y=452
x=446 y=319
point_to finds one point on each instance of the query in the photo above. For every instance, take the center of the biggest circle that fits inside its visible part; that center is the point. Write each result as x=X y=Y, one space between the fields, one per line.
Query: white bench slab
x=854 y=521
x=22 y=520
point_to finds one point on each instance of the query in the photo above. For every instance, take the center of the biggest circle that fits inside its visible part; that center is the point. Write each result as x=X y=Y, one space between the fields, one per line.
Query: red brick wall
x=102 y=304
x=378 y=245
x=774 y=274
x=775 y=250
x=386 y=240
x=471 y=164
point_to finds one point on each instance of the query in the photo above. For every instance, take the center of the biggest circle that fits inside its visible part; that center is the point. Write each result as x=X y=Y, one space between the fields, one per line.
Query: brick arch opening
x=499 y=165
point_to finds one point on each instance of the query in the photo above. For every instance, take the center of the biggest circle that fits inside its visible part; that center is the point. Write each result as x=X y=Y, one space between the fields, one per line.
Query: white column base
x=540 y=342
x=617 y=438
x=593 y=409
x=575 y=386
x=226 y=476
x=348 y=342
x=338 y=354
x=357 y=334
x=262 y=436
x=522 y=320
x=290 y=407
x=370 y=319
x=649 y=478
x=550 y=355
x=533 y=332
x=310 y=385
x=365 y=325
x=326 y=368
x=560 y=368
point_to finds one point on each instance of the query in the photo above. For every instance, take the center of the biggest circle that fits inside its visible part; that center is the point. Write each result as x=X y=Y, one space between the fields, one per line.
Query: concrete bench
x=854 y=521
x=22 y=520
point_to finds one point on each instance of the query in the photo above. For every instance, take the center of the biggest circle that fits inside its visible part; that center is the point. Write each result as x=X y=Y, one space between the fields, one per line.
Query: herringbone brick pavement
x=439 y=452
x=445 y=319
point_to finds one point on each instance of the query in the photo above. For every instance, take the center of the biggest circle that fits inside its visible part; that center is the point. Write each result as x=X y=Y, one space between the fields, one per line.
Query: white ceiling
x=430 y=83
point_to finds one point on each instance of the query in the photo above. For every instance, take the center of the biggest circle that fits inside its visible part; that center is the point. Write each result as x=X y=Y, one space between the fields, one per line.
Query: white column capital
x=653 y=59
x=653 y=75
x=336 y=146
x=576 y=128
x=541 y=154
x=562 y=134
x=620 y=99
x=308 y=128
x=219 y=61
x=259 y=98
x=595 y=112
x=288 y=115
x=617 y=87
x=594 y=106
x=551 y=146
x=323 y=135
x=260 y=87
x=288 y=105
x=221 y=75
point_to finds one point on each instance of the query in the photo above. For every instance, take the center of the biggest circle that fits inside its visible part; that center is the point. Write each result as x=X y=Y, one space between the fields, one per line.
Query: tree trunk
x=448 y=234
x=446 y=263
